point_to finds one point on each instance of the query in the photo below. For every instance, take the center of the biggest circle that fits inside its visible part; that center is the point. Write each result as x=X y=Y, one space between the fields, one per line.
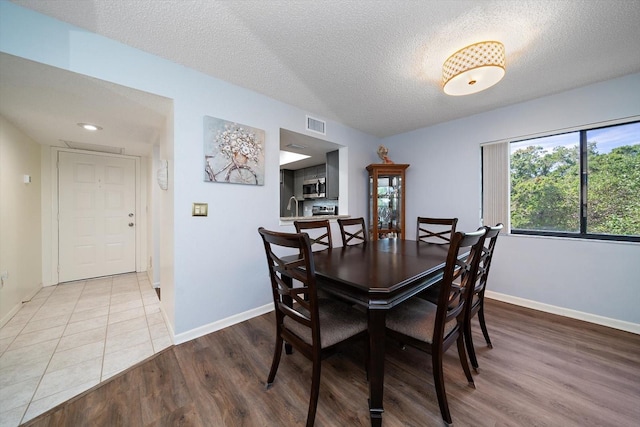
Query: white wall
x=594 y=277
x=20 y=220
x=212 y=268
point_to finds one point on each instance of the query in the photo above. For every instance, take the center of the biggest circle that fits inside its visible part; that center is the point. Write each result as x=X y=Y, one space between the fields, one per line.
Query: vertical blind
x=495 y=184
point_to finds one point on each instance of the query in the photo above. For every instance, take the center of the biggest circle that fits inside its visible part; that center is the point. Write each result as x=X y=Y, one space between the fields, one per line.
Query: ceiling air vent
x=315 y=125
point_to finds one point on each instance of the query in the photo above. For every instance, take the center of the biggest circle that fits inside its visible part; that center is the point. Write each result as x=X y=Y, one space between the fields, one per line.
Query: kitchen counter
x=311 y=218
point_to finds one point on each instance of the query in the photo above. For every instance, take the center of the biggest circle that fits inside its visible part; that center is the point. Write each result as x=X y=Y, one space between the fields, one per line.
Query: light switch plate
x=200 y=209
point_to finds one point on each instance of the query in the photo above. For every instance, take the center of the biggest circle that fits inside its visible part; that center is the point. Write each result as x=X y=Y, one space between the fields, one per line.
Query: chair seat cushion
x=338 y=321
x=416 y=318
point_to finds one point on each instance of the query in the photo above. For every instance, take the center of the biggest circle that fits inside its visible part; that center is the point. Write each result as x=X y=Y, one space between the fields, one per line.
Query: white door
x=97 y=217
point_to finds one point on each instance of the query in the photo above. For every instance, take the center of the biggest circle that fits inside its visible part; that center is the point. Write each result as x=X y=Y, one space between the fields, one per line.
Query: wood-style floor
x=544 y=370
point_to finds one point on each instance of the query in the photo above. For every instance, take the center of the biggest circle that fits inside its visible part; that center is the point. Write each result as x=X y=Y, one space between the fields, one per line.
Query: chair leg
x=463 y=360
x=438 y=380
x=315 y=391
x=483 y=326
x=468 y=339
x=277 y=353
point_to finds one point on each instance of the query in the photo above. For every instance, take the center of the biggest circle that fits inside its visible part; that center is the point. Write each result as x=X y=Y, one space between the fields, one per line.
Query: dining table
x=379 y=275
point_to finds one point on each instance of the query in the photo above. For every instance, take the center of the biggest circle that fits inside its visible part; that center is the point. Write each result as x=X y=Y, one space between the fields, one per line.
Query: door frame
x=141 y=212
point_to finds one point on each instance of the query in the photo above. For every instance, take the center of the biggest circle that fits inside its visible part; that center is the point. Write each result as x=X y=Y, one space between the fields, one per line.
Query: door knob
x=131 y=215
x=130 y=224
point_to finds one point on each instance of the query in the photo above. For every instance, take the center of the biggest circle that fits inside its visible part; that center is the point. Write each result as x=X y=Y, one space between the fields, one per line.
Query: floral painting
x=233 y=153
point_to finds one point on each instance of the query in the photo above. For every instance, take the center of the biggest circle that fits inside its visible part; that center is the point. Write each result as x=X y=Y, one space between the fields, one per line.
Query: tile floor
x=72 y=336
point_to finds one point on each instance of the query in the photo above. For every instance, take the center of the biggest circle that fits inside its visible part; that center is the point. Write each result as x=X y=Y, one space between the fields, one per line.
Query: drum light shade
x=473 y=68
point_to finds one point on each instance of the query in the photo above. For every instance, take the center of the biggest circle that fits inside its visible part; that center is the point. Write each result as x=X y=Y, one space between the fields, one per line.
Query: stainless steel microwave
x=314 y=188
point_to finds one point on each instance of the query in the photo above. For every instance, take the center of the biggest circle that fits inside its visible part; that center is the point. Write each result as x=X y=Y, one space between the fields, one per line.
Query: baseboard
x=566 y=312
x=172 y=333
x=221 y=324
x=547 y=308
x=10 y=314
x=155 y=284
x=5 y=319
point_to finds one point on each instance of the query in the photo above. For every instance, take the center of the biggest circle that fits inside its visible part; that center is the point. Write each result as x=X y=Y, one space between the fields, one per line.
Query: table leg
x=376 y=365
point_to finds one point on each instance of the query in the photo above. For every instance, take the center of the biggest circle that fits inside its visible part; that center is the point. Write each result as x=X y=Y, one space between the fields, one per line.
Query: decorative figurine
x=382 y=153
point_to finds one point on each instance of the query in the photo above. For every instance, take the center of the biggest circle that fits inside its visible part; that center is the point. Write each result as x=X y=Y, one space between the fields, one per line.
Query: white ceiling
x=373 y=65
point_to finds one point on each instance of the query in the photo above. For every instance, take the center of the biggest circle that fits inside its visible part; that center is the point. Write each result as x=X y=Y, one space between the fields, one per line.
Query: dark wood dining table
x=379 y=275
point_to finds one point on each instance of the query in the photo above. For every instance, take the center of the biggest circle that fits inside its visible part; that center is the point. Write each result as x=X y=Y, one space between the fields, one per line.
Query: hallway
x=72 y=336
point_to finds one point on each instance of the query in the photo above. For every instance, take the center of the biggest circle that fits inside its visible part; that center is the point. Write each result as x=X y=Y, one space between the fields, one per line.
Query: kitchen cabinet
x=310 y=173
x=333 y=175
x=315 y=172
x=298 y=180
x=386 y=200
x=286 y=190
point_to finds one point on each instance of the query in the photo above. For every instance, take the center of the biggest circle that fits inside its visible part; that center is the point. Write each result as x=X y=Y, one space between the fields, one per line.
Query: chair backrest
x=319 y=232
x=490 y=239
x=352 y=230
x=458 y=281
x=297 y=266
x=436 y=230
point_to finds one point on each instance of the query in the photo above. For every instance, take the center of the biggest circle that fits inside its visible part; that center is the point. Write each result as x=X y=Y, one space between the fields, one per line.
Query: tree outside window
x=584 y=184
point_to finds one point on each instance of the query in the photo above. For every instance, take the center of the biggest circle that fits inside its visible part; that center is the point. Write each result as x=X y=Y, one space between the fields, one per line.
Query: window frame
x=583 y=191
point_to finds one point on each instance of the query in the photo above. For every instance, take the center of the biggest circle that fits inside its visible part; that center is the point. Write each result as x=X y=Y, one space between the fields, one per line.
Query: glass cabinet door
x=386 y=201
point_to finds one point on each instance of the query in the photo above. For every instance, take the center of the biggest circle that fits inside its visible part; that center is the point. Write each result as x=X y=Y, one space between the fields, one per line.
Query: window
x=578 y=184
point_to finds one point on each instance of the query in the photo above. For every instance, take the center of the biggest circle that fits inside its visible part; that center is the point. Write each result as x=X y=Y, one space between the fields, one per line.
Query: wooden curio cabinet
x=386 y=200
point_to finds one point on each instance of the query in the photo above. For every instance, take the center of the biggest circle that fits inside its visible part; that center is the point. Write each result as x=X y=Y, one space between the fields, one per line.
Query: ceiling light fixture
x=89 y=126
x=473 y=68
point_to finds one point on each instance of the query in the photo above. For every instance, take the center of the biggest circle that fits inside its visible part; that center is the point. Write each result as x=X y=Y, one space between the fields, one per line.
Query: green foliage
x=545 y=190
x=614 y=192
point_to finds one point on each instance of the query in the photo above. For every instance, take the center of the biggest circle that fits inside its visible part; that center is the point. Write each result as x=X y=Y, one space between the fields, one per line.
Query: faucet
x=289 y=205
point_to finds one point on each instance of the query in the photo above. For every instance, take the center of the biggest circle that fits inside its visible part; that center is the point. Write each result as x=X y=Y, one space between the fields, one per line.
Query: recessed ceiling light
x=89 y=126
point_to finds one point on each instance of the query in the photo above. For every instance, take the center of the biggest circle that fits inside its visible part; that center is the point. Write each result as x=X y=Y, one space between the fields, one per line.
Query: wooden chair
x=352 y=230
x=433 y=328
x=311 y=326
x=436 y=230
x=477 y=299
x=319 y=232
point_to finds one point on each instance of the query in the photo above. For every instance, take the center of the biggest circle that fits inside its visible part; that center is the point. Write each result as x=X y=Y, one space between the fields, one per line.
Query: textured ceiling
x=373 y=65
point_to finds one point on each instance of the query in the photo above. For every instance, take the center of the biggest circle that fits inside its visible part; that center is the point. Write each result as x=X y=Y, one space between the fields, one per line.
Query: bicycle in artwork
x=234 y=171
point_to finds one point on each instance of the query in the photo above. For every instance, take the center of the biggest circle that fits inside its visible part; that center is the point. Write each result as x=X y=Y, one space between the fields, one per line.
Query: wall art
x=233 y=153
